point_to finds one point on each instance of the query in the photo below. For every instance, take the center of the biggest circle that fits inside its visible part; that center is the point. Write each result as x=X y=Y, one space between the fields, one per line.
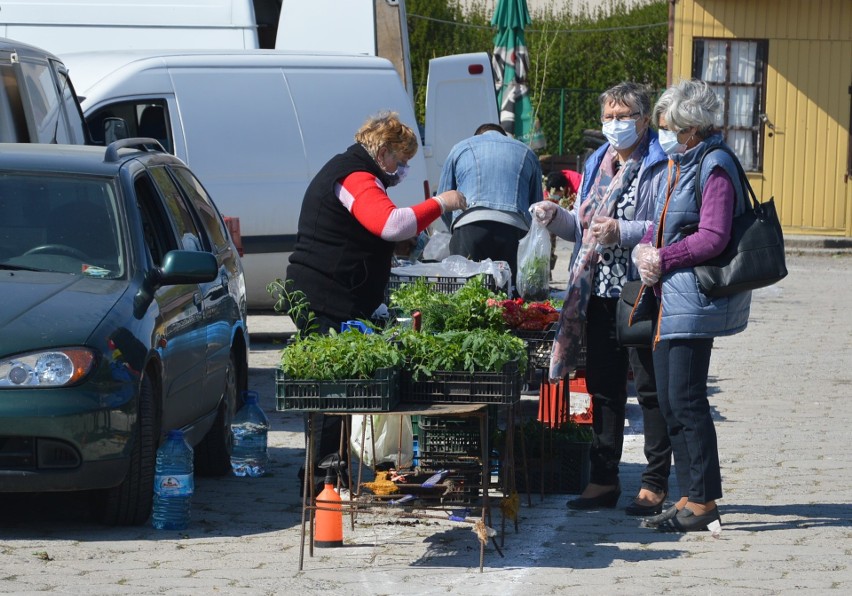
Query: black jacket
x=340 y=265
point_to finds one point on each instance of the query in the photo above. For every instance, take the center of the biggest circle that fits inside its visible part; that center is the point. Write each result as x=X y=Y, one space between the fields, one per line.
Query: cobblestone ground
x=781 y=398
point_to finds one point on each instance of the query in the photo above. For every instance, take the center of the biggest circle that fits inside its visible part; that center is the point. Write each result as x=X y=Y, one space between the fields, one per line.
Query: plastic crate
x=445 y=285
x=563 y=471
x=539 y=346
x=441 y=436
x=556 y=406
x=454 y=387
x=379 y=394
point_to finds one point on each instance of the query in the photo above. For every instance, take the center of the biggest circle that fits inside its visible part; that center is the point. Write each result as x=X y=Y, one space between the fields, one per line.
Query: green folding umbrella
x=511 y=63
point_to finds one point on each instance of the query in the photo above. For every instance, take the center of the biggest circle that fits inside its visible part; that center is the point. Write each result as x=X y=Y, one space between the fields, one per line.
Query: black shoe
x=640 y=510
x=687 y=521
x=607 y=500
x=655 y=521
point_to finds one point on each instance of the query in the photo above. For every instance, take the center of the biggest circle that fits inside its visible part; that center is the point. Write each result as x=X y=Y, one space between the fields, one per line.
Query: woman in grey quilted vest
x=686 y=233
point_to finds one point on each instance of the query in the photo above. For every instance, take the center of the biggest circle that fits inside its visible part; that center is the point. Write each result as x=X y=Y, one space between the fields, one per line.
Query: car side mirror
x=187 y=267
x=179 y=267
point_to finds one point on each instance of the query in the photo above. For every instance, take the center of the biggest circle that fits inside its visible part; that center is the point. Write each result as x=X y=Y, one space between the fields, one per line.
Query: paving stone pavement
x=782 y=400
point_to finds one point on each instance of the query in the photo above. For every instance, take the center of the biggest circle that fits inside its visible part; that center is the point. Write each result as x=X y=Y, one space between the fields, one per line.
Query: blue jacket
x=686 y=312
x=651 y=178
x=494 y=171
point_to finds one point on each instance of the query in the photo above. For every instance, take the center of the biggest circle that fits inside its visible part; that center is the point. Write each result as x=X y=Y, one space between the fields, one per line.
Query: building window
x=736 y=71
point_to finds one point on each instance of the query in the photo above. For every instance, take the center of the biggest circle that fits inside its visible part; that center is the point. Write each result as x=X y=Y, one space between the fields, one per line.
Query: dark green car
x=122 y=316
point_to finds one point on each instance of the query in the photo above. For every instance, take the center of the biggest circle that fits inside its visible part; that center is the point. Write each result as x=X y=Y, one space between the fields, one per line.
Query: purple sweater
x=714 y=227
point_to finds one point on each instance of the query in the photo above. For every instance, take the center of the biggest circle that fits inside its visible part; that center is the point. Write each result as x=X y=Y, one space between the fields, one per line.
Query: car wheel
x=213 y=453
x=129 y=503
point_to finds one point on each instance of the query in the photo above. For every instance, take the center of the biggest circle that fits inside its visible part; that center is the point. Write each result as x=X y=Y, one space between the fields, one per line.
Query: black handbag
x=638 y=300
x=754 y=257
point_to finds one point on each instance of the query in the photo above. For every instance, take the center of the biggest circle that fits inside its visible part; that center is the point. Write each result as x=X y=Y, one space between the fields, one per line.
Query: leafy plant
x=478 y=350
x=347 y=355
x=294 y=303
x=462 y=310
x=534 y=433
x=534 y=277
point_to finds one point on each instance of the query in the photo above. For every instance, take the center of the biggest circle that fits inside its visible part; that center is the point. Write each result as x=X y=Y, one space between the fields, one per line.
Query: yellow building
x=784 y=71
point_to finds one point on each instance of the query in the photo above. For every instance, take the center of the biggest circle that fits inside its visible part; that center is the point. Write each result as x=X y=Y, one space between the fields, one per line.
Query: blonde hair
x=386 y=130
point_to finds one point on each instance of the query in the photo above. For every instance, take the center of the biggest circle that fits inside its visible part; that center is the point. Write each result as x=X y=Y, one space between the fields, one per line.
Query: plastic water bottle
x=249 y=429
x=173 y=483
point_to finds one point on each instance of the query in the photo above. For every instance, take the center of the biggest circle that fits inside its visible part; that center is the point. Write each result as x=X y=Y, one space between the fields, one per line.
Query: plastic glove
x=646 y=258
x=606 y=230
x=544 y=211
x=452 y=200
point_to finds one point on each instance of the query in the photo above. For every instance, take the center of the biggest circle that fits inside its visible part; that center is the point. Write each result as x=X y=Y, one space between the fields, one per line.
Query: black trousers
x=329 y=427
x=493 y=240
x=682 y=367
x=606 y=380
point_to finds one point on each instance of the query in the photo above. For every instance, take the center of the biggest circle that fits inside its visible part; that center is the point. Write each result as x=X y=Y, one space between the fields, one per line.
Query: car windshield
x=62 y=223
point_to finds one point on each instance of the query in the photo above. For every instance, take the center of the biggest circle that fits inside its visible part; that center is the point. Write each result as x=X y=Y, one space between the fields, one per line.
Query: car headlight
x=51 y=368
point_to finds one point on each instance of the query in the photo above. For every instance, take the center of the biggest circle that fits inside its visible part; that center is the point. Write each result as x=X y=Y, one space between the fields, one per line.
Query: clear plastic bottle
x=249 y=429
x=173 y=483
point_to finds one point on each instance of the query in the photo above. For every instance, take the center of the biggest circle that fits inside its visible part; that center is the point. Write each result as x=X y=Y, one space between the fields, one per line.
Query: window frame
x=699 y=45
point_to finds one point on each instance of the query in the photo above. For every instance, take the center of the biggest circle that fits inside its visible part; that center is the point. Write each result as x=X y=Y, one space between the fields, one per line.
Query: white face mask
x=621 y=134
x=669 y=142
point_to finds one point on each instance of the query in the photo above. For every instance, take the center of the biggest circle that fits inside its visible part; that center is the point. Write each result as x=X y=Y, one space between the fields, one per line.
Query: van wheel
x=213 y=453
x=129 y=503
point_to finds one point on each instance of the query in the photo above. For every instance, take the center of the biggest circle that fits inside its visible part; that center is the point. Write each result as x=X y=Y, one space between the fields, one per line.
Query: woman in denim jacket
x=613 y=211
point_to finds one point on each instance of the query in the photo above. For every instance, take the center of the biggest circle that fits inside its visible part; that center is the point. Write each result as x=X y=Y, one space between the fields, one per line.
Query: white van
x=256 y=126
x=63 y=26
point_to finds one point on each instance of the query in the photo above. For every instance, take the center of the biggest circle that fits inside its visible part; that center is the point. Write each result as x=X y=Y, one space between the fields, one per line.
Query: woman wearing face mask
x=613 y=211
x=348 y=228
x=686 y=115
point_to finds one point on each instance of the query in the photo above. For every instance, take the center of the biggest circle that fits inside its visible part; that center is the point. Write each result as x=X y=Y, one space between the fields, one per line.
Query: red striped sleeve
x=364 y=196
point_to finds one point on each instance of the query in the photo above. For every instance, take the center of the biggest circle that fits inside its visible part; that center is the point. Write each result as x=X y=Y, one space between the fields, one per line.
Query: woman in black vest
x=348 y=229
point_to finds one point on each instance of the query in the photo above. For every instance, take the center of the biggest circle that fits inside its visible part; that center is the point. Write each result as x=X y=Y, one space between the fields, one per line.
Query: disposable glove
x=544 y=211
x=646 y=258
x=451 y=200
x=605 y=230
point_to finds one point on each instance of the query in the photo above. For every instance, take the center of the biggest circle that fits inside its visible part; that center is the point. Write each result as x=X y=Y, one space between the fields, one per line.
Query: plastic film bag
x=533 y=277
x=394 y=439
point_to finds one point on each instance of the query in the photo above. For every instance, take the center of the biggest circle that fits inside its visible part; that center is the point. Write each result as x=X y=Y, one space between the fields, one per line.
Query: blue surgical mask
x=621 y=134
x=399 y=175
x=402 y=172
x=669 y=142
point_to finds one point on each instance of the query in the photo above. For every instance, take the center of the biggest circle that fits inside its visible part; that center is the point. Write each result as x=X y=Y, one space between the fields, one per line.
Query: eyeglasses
x=619 y=117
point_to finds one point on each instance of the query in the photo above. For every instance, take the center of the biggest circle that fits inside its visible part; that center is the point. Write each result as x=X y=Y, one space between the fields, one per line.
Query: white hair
x=688 y=104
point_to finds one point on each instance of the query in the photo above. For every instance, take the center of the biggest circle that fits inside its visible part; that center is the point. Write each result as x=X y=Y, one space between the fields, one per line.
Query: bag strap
x=743 y=180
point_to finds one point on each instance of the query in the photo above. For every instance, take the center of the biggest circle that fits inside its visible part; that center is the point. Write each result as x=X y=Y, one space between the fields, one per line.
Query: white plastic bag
x=438 y=247
x=533 y=276
x=388 y=429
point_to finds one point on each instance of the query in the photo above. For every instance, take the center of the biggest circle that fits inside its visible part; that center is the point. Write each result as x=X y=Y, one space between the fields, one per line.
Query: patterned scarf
x=606 y=190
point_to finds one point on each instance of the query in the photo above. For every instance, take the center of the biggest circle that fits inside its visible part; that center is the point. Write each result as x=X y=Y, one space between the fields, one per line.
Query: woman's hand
x=544 y=211
x=647 y=261
x=452 y=200
x=605 y=230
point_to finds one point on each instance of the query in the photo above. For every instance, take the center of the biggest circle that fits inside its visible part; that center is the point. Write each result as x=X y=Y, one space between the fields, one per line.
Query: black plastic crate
x=445 y=285
x=444 y=436
x=379 y=394
x=539 y=346
x=453 y=387
x=564 y=470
